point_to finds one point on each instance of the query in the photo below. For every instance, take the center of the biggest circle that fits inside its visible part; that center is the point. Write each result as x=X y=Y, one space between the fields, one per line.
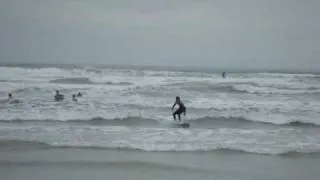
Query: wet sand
x=83 y=164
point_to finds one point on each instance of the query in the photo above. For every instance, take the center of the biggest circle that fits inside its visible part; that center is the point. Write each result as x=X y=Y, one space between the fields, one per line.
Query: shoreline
x=81 y=163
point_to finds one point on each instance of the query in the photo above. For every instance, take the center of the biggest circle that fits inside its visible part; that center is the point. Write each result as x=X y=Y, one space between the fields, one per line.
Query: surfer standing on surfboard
x=182 y=108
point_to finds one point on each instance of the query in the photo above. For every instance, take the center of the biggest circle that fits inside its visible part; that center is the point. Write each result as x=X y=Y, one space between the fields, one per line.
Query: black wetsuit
x=182 y=109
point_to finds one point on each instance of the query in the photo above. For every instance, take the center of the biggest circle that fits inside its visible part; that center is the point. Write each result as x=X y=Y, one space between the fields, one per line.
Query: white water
x=119 y=93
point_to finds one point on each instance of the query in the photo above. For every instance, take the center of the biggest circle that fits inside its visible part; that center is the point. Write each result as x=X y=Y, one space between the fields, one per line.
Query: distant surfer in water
x=58 y=96
x=74 y=98
x=182 y=108
x=224 y=74
x=11 y=100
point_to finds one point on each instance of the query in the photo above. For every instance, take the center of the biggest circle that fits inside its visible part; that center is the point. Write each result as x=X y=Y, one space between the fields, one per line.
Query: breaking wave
x=27 y=145
x=78 y=80
x=118 y=83
x=246 y=121
x=93 y=121
x=135 y=120
x=251 y=88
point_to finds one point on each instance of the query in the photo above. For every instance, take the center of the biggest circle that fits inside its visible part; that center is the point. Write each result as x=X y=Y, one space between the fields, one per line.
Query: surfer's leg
x=181 y=110
x=174 y=115
x=177 y=112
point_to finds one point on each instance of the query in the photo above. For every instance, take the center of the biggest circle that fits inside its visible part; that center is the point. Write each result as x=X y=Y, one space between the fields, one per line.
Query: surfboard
x=183 y=124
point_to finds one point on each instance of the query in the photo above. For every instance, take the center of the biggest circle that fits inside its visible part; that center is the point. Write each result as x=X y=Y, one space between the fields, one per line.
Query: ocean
x=248 y=125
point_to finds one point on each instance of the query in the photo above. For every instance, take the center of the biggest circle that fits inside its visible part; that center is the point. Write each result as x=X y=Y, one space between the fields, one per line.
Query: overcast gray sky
x=210 y=33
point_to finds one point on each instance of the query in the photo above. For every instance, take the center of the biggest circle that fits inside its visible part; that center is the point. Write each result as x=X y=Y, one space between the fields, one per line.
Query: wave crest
x=25 y=145
x=234 y=120
x=76 y=80
x=84 y=80
x=248 y=87
x=118 y=83
x=130 y=120
x=215 y=121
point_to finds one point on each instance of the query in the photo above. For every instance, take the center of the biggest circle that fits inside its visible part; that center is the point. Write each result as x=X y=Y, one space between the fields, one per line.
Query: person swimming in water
x=12 y=100
x=182 y=108
x=224 y=74
x=58 y=96
x=74 y=98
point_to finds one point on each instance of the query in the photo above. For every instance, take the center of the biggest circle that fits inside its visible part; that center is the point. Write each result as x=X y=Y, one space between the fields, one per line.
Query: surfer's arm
x=173 y=105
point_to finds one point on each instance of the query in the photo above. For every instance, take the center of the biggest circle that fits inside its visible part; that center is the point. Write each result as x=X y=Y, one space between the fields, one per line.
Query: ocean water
x=271 y=114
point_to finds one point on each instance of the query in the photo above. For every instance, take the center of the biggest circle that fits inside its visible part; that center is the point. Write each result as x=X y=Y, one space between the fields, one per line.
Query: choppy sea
x=129 y=108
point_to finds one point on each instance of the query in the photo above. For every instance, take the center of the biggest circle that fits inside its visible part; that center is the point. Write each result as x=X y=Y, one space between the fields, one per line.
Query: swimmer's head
x=10 y=95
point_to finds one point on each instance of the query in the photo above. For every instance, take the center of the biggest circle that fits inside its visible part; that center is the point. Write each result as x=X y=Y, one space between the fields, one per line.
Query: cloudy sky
x=210 y=33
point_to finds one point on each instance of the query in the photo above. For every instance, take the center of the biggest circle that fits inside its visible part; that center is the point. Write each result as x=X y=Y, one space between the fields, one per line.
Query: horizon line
x=158 y=67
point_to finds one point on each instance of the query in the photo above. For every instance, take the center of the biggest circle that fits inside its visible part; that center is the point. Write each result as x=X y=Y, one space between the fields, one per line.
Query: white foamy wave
x=118 y=83
x=92 y=69
x=251 y=87
x=157 y=139
x=270 y=113
x=274 y=90
x=205 y=122
x=85 y=80
x=76 y=80
x=10 y=101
